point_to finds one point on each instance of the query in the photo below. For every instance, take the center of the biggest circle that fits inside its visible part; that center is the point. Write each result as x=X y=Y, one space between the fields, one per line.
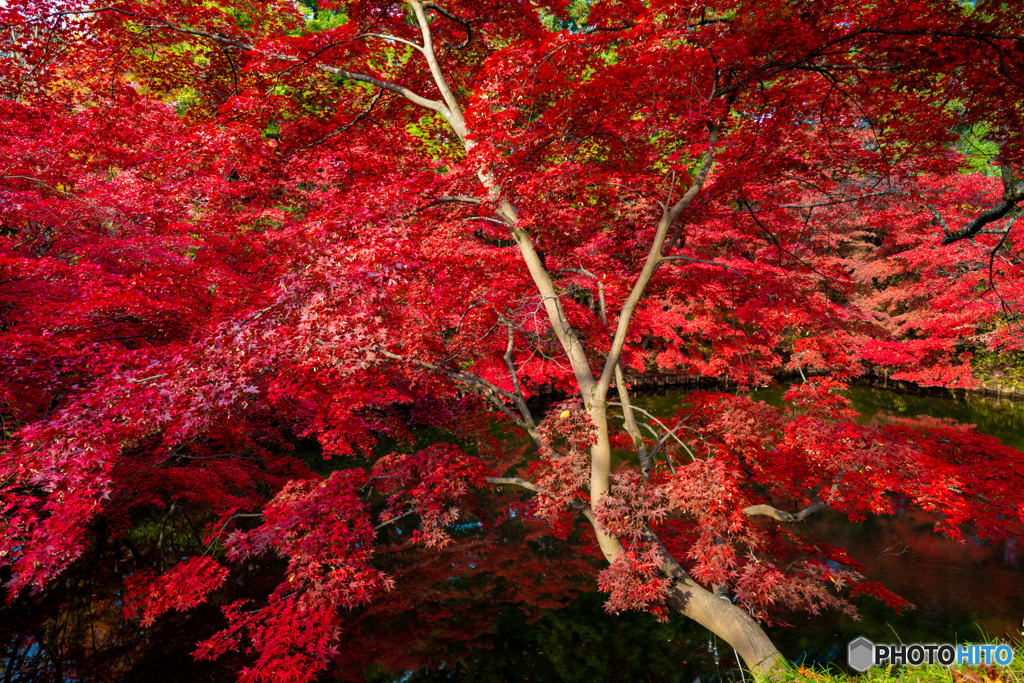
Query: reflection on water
x=961 y=591
x=1001 y=419
x=582 y=643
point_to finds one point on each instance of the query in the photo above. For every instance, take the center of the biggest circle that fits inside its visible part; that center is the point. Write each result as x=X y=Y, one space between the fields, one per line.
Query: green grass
x=1014 y=673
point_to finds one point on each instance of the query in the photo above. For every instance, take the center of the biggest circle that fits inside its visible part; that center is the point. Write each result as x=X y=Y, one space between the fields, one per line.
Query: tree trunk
x=728 y=622
x=718 y=615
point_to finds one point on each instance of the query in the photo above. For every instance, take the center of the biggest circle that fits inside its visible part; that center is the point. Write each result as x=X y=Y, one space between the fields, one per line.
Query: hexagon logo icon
x=861 y=654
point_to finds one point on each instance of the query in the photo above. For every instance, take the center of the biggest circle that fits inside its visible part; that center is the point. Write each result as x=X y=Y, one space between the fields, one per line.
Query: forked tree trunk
x=729 y=622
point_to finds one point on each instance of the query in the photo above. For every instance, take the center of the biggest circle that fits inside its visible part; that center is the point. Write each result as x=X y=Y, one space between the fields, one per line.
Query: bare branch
x=634 y=190
x=699 y=178
x=975 y=226
x=773 y=68
x=992 y=263
x=664 y=439
x=394 y=519
x=383 y=36
x=679 y=257
x=938 y=217
x=347 y=126
x=668 y=432
x=453 y=112
x=514 y=481
x=224 y=40
x=146 y=379
x=413 y=97
x=529 y=485
x=492 y=393
x=834 y=202
x=510 y=363
x=458 y=199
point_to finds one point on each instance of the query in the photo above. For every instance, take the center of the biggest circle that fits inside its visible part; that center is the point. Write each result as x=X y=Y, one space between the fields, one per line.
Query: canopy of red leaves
x=228 y=229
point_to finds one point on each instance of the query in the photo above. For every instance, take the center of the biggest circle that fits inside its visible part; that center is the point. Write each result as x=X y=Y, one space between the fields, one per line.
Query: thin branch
x=781 y=515
x=510 y=363
x=394 y=519
x=664 y=439
x=413 y=97
x=458 y=20
x=163 y=524
x=234 y=73
x=457 y=199
x=888 y=553
x=671 y=432
x=634 y=190
x=452 y=112
x=464 y=377
x=992 y=262
x=462 y=318
x=146 y=379
x=679 y=257
x=357 y=119
x=778 y=244
x=942 y=221
x=654 y=257
x=163 y=22
x=530 y=486
x=1013 y=192
x=384 y=36
x=770 y=69
x=834 y=202
x=488 y=390
x=515 y=481
x=646 y=459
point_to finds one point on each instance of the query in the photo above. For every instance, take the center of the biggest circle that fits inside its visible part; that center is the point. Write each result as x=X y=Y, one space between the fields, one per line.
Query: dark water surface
x=961 y=591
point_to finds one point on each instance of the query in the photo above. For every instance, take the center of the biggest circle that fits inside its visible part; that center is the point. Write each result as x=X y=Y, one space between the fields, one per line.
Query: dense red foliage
x=229 y=228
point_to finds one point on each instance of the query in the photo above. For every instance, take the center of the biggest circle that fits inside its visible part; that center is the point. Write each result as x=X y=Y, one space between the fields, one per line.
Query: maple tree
x=230 y=226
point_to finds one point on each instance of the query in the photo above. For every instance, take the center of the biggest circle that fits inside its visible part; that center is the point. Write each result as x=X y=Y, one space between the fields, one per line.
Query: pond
x=961 y=591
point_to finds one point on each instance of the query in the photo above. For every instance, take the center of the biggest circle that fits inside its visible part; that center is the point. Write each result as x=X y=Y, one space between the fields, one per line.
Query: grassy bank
x=1014 y=673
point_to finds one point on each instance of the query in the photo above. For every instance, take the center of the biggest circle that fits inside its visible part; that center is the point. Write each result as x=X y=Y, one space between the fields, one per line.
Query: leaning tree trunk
x=686 y=596
x=728 y=622
x=717 y=614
